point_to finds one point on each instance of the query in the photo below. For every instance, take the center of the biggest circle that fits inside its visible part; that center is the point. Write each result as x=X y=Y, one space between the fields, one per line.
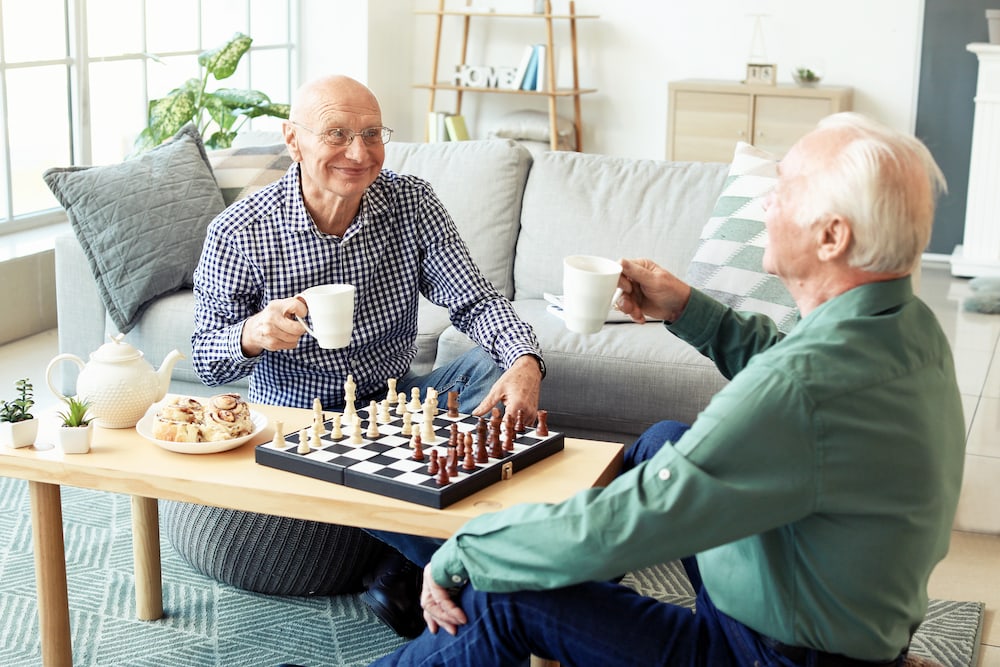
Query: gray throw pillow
x=728 y=264
x=142 y=222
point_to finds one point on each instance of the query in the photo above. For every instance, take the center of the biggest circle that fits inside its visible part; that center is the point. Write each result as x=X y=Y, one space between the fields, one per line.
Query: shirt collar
x=374 y=202
x=863 y=300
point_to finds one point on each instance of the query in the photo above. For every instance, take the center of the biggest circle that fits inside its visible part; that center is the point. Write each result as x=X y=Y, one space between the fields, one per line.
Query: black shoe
x=394 y=595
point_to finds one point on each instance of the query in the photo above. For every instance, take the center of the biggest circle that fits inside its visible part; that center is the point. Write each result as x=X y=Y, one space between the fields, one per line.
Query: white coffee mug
x=331 y=309
x=589 y=284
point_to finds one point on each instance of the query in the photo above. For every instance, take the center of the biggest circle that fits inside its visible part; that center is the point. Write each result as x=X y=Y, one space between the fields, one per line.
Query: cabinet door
x=708 y=125
x=781 y=121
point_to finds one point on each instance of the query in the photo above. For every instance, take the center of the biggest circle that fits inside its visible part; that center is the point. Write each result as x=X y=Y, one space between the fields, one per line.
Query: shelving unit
x=553 y=94
x=706 y=118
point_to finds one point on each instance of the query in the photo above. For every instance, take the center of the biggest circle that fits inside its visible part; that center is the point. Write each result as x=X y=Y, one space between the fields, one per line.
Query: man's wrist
x=541 y=363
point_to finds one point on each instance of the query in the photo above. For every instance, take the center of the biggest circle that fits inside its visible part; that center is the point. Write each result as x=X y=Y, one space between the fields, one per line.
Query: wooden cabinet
x=705 y=119
x=545 y=19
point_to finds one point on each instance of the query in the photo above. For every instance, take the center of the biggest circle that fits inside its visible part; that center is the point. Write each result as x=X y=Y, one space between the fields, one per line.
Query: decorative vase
x=75 y=439
x=18 y=434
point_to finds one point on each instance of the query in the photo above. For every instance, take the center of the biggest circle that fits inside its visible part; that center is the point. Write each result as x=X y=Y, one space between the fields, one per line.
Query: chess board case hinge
x=507 y=470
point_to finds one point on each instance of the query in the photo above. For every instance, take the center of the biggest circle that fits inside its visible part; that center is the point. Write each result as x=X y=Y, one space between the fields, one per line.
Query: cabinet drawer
x=708 y=125
x=781 y=121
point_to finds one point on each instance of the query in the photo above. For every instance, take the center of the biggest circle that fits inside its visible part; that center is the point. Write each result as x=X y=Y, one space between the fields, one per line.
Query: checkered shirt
x=402 y=243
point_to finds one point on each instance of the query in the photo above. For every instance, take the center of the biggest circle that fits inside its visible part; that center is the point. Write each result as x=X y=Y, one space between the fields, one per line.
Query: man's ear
x=291 y=140
x=835 y=238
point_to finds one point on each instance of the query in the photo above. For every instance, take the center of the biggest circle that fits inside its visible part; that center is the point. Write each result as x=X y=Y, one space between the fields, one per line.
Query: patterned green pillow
x=728 y=262
x=242 y=171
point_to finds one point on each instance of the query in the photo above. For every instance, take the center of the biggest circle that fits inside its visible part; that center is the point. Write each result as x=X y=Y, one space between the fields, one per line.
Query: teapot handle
x=48 y=371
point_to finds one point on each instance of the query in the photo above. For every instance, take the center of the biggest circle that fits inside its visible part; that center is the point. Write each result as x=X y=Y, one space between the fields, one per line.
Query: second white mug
x=589 y=284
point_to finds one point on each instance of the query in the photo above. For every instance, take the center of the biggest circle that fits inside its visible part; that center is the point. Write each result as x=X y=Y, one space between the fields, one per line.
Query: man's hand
x=650 y=290
x=518 y=388
x=440 y=611
x=274 y=327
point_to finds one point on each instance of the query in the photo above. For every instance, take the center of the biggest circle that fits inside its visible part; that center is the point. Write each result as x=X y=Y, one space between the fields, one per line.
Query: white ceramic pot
x=18 y=434
x=75 y=439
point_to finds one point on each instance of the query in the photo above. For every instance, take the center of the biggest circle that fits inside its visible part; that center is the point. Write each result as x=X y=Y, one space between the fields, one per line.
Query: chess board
x=385 y=465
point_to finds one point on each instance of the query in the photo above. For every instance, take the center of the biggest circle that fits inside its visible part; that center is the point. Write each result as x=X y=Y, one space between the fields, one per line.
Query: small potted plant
x=18 y=427
x=77 y=429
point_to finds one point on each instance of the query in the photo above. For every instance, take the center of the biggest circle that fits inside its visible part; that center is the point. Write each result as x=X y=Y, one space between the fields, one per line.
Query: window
x=76 y=77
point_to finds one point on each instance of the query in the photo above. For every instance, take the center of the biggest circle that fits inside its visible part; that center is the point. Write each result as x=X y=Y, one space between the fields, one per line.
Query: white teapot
x=119 y=384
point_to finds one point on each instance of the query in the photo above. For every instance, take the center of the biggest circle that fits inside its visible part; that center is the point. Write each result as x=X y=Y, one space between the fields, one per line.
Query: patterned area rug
x=208 y=623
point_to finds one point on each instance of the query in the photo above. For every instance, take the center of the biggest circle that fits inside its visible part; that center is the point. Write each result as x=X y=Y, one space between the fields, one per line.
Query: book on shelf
x=530 y=78
x=522 y=67
x=437 y=129
x=455 y=125
x=541 y=80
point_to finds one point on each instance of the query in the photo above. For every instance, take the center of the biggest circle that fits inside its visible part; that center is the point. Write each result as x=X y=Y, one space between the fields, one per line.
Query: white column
x=979 y=254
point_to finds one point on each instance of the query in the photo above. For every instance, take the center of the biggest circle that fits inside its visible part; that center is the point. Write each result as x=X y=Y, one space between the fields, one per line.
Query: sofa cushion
x=141 y=223
x=577 y=203
x=242 y=171
x=481 y=184
x=728 y=262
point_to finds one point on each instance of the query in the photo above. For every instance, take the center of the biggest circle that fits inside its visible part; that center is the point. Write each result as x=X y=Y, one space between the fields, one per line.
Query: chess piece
x=338 y=431
x=279 y=436
x=442 y=477
x=401 y=404
x=418 y=447
x=427 y=428
x=318 y=417
x=543 y=424
x=415 y=404
x=373 y=421
x=481 y=455
x=452 y=462
x=519 y=422
x=432 y=466
x=407 y=428
x=470 y=462
x=314 y=441
x=390 y=395
x=303 y=441
x=383 y=412
x=356 y=432
x=453 y=404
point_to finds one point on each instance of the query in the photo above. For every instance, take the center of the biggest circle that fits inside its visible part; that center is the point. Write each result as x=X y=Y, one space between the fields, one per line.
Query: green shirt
x=818 y=488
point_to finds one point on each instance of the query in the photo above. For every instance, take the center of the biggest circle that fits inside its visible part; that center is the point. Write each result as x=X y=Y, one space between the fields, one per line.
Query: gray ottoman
x=270 y=554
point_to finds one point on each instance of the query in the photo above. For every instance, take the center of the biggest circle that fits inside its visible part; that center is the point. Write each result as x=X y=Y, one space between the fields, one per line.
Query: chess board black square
x=384 y=464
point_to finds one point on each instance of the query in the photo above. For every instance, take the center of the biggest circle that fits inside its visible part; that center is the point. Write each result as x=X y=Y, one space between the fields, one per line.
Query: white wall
x=629 y=54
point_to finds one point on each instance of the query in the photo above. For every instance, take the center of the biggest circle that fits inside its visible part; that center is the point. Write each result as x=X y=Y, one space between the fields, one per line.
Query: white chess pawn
x=384 y=417
x=356 y=432
x=415 y=404
x=337 y=430
x=390 y=396
x=303 y=441
x=401 y=404
x=407 y=422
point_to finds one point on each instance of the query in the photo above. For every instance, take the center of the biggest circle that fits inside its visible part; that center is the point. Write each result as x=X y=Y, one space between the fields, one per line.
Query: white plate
x=145 y=429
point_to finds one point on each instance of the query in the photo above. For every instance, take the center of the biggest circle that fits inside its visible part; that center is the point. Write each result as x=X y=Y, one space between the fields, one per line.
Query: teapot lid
x=116 y=351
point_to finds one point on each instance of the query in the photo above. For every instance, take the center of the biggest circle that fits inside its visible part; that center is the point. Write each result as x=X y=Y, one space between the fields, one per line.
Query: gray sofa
x=520 y=214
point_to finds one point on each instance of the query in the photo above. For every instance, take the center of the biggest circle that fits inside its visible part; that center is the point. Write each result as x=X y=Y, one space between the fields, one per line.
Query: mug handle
x=305 y=326
x=48 y=371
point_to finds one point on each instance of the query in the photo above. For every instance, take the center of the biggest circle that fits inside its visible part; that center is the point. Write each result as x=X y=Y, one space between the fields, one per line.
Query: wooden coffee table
x=122 y=461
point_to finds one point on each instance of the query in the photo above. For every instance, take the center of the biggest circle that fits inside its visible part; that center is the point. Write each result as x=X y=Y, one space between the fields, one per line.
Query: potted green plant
x=18 y=427
x=77 y=430
x=228 y=108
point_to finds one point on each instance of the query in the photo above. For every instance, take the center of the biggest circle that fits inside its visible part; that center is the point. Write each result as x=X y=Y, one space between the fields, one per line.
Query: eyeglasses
x=342 y=136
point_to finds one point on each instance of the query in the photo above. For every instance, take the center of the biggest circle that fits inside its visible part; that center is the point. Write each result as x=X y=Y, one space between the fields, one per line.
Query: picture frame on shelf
x=762 y=73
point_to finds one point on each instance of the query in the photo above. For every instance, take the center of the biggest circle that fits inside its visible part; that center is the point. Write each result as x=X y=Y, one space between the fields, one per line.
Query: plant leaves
x=222 y=62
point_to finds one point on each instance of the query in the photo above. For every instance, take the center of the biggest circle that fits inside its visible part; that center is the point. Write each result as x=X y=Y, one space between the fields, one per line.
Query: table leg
x=146 y=552
x=50 y=574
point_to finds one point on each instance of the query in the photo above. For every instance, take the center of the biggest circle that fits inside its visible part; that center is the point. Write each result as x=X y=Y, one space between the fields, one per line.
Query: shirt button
x=456 y=579
x=664 y=474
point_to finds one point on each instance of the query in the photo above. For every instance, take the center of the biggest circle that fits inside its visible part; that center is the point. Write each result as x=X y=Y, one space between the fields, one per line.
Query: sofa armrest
x=80 y=311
